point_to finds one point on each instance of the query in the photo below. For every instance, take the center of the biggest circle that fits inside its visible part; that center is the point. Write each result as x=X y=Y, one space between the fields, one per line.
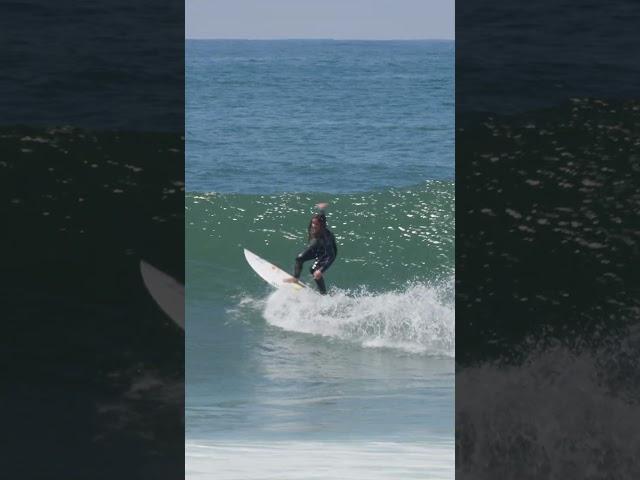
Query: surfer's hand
x=317 y=274
x=322 y=205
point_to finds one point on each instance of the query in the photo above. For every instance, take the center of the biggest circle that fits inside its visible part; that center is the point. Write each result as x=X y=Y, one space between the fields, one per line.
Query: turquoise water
x=367 y=371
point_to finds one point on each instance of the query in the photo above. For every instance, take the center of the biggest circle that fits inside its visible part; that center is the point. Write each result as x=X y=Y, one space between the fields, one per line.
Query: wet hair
x=323 y=223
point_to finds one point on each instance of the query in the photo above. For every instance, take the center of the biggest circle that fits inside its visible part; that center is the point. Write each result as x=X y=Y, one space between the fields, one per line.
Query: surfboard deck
x=270 y=273
x=166 y=291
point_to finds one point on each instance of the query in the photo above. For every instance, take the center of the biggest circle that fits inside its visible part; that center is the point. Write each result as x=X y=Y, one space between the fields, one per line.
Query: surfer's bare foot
x=290 y=280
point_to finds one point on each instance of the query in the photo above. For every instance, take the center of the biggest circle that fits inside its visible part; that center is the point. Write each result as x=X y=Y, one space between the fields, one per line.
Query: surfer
x=322 y=247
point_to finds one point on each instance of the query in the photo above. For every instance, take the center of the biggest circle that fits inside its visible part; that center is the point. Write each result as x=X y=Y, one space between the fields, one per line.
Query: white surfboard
x=270 y=273
x=166 y=291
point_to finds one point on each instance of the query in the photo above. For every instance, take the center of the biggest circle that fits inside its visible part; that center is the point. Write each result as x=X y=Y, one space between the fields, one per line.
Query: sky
x=336 y=19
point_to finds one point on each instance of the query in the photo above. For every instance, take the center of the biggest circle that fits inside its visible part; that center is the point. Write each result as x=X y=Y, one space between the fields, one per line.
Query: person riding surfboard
x=321 y=247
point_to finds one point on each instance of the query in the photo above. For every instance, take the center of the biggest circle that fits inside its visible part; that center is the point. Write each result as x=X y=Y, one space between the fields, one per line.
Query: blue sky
x=338 y=19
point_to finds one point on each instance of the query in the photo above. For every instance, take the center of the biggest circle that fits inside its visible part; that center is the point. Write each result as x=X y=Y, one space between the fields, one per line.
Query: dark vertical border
x=91 y=184
x=547 y=235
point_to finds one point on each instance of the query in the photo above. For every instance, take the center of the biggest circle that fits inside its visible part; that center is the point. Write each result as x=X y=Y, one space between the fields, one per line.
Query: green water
x=386 y=239
x=372 y=360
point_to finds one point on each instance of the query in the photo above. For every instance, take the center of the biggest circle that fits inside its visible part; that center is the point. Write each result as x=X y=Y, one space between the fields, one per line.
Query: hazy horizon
x=365 y=20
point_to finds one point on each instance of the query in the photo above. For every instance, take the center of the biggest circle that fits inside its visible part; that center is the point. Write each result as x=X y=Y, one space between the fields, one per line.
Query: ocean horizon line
x=325 y=39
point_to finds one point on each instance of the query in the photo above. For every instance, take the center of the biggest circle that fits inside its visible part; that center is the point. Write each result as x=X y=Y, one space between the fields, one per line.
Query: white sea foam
x=416 y=319
x=315 y=460
x=556 y=416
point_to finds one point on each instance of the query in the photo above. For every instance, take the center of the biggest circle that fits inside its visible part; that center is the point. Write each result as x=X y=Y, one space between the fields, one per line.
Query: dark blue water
x=82 y=204
x=95 y=64
x=330 y=116
x=516 y=57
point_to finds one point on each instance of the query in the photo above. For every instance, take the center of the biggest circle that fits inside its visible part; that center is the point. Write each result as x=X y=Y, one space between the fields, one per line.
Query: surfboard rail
x=270 y=273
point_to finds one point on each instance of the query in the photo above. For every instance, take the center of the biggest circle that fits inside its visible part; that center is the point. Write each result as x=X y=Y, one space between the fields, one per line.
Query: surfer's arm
x=324 y=266
x=329 y=257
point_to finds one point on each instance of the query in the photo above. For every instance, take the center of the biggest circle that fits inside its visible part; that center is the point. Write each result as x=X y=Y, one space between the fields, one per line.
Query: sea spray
x=416 y=319
x=560 y=413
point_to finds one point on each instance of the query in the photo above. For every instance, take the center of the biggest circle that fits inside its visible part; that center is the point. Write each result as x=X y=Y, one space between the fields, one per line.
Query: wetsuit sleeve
x=329 y=257
x=307 y=254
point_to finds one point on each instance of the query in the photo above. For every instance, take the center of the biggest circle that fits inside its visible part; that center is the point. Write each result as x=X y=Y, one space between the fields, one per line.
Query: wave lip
x=415 y=320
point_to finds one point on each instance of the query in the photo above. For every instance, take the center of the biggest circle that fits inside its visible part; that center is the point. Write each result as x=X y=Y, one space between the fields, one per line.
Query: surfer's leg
x=298 y=268
x=300 y=259
x=322 y=288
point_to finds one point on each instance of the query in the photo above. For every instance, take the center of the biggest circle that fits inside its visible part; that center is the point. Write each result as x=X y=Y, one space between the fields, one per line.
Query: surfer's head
x=317 y=224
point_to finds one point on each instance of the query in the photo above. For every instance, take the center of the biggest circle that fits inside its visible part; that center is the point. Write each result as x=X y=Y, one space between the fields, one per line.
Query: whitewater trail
x=416 y=319
x=536 y=419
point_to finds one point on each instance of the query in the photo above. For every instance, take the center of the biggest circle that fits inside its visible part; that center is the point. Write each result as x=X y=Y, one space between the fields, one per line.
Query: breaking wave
x=417 y=319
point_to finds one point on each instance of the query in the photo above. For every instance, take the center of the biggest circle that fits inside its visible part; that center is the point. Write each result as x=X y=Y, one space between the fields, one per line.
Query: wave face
x=370 y=361
x=391 y=285
x=385 y=238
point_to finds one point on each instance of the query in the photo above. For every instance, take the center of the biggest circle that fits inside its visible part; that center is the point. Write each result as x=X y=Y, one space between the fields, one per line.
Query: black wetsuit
x=323 y=249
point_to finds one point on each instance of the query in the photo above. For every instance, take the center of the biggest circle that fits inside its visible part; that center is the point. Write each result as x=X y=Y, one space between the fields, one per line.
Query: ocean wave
x=385 y=238
x=560 y=414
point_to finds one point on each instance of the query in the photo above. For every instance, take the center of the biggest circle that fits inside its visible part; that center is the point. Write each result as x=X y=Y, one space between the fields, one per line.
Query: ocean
x=91 y=183
x=360 y=383
x=324 y=116
x=547 y=291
